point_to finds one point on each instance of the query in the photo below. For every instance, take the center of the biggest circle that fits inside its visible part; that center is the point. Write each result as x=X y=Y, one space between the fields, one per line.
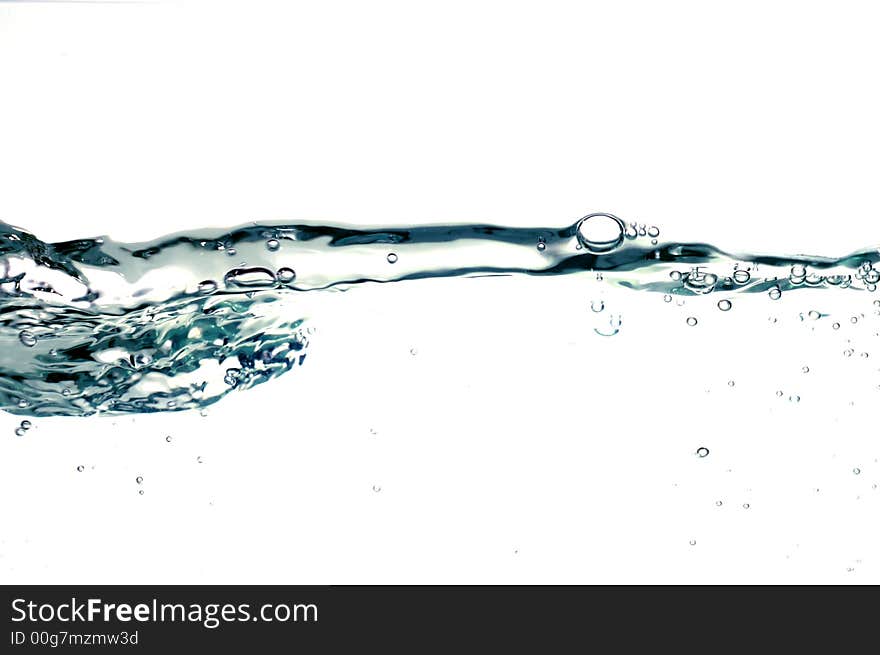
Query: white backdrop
x=499 y=454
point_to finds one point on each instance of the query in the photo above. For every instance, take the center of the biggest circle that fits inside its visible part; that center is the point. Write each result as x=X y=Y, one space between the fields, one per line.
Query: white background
x=503 y=453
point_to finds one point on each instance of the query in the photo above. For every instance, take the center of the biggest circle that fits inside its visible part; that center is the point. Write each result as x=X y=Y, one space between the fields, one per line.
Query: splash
x=97 y=326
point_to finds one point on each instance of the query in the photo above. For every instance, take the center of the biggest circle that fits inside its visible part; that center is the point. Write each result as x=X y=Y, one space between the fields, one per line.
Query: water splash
x=97 y=326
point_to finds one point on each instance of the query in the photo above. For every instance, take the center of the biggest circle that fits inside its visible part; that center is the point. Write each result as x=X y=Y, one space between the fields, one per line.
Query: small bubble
x=377 y=488
x=597 y=305
x=285 y=275
x=65 y=392
x=392 y=258
x=746 y=505
x=702 y=451
x=856 y=471
x=741 y=276
x=864 y=355
x=272 y=245
x=675 y=275
x=779 y=393
x=691 y=321
x=232 y=252
x=27 y=338
x=731 y=383
x=693 y=542
x=848 y=352
x=139 y=479
x=653 y=242
x=140 y=492
x=724 y=305
x=718 y=503
x=168 y=438
x=775 y=293
x=836 y=326
x=207 y=286
x=199 y=459
x=19 y=432
x=813 y=314
x=806 y=369
x=541 y=246
x=794 y=398
x=23 y=403
x=26 y=424
x=653 y=232
x=667 y=298
x=80 y=468
x=413 y=352
x=854 y=320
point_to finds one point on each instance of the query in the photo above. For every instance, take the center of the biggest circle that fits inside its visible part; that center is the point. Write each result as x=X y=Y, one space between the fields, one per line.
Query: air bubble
x=377 y=488
x=667 y=298
x=746 y=505
x=27 y=338
x=653 y=232
x=806 y=369
x=775 y=293
x=285 y=275
x=80 y=468
x=813 y=314
x=207 y=286
x=168 y=438
x=856 y=471
x=691 y=321
x=702 y=451
x=724 y=305
x=597 y=305
x=392 y=258
x=272 y=245
x=601 y=232
x=741 y=276
x=693 y=542
x=139 y=479
x=19 y=432
x=249 y=277
x=541 y=246
x=836 y=326
x=26 y=424
x=675 y=275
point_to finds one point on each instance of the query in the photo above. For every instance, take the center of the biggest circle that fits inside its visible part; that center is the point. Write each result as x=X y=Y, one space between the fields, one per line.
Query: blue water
x=97 y=326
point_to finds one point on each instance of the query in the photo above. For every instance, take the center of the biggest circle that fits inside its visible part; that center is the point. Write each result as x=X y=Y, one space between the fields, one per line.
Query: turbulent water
x=96 y=326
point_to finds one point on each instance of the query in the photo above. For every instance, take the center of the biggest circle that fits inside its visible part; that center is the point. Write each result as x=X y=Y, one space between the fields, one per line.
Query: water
x=97 y=326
